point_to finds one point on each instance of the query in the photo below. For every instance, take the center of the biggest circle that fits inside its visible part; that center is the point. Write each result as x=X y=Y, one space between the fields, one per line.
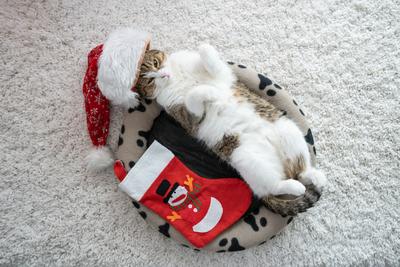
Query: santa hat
x=113 y=70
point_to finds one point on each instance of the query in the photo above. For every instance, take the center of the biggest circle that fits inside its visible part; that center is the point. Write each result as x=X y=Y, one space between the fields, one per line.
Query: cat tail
x=314 y=181
x=289 y=206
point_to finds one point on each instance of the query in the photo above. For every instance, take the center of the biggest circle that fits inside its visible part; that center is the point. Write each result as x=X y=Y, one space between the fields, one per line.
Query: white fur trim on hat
x=99 y=158
x=146 y=170
x=119 y=64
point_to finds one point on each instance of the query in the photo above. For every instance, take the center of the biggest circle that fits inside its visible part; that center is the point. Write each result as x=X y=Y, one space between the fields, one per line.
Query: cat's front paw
x=132 y=100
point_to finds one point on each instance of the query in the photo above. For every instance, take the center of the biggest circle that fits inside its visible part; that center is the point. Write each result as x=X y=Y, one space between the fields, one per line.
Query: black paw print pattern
x=234 y=246
x=121 y=139
x=141 y=142
x=142 y=213
x=264 y=82
x=309 y=137
x=164 y=229
x=251 y=219
x=131 y=164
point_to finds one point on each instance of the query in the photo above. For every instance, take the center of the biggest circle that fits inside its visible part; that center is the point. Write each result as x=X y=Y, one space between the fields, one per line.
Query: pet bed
x=142 y=127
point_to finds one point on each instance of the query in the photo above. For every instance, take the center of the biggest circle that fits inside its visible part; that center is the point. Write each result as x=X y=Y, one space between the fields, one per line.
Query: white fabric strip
x=146 y=170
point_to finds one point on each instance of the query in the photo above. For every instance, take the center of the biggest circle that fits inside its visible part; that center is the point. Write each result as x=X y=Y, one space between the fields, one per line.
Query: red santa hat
x=112 y=72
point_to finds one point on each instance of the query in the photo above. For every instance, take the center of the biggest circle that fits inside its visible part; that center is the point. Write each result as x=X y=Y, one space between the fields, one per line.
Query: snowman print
x=181 y=197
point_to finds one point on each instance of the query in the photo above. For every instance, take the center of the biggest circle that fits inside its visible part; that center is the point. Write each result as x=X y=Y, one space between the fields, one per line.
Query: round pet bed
x=256 y=226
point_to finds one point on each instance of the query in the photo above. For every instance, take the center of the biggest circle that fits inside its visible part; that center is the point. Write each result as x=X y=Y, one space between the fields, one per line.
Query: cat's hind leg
x=295 y=150
x=290 y=187
x=212 y=62
x=313 y=176
x=260 y=167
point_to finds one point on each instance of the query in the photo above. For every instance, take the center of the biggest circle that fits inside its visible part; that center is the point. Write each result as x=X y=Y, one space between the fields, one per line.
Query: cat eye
x=155 y=63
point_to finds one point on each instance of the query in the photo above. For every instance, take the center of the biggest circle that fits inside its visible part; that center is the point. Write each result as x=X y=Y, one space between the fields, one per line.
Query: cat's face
x=152 y=62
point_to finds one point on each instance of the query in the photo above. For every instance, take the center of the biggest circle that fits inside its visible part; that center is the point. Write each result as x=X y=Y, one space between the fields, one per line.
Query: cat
x=200 y=91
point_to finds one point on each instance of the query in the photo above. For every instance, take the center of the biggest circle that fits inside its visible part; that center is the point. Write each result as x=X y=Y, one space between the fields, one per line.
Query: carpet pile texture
x=340 y=59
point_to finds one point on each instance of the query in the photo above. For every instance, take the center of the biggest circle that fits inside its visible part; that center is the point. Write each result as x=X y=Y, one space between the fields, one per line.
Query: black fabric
x=187 y=149
x=163 y=188
x=192 y=152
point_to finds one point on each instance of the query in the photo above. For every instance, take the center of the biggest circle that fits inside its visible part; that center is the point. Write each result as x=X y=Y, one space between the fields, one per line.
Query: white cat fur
x=203 y=83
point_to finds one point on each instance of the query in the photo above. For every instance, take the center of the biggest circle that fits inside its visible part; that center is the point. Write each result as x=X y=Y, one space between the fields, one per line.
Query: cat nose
x=164 y=75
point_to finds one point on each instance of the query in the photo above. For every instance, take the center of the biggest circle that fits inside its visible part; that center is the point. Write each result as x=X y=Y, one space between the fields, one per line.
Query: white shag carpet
x=340 y=59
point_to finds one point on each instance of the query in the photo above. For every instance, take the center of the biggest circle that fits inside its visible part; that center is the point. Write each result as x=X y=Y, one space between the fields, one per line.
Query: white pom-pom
x=99 y=159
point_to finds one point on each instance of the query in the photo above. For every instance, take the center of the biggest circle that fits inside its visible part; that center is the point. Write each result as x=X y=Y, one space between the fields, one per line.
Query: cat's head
x=153 y=61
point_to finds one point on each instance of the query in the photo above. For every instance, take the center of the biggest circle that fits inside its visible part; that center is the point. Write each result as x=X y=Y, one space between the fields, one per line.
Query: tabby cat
x=200 y=92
